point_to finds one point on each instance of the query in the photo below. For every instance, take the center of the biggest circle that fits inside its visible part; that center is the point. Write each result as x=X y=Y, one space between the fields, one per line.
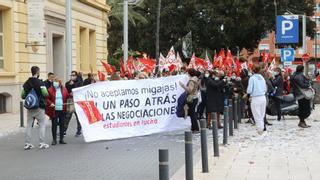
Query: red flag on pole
x=101 y=76
x=122 y=69
x=109 y=69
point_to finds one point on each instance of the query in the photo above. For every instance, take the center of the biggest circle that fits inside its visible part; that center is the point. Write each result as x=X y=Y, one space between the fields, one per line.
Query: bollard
x=239 y=110
x=235 y=113
x=225 y=125
x=215 y=135
x=230 y=118
x=188 y=155
x=21 y=114
x=163 y=164
x=204 y=146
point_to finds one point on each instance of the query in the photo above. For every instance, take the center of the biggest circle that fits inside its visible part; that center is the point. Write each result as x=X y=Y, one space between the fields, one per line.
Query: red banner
x=91 y=111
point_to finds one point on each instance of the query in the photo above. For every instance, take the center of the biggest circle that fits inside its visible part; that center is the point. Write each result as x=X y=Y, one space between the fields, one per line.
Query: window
x=264 y=48
x=318 y=7
x=316 y=49
x=92 y=50
x=86 y=49
x=1 y=42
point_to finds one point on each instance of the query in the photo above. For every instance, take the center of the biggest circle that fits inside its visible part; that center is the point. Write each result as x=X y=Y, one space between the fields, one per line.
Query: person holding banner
x=192 y=98
x=56 y=107
x=74 y=82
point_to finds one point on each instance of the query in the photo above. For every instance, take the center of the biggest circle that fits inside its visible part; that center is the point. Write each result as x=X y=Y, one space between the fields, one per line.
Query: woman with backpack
x=56 y=107
x=192 y=99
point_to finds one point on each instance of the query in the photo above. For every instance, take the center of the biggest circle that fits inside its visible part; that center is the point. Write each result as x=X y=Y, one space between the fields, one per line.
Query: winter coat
x=277 y=82
x=51 y=99
x=298 y=79
x=214 y=95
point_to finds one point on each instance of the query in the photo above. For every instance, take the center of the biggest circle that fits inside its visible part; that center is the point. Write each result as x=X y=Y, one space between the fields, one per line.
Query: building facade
x=18 y=55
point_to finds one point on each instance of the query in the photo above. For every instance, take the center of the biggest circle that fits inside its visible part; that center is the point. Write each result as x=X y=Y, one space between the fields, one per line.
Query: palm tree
x=133 y=15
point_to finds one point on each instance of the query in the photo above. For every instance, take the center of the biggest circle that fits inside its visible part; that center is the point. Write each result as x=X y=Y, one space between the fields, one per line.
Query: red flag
x=221 y=58
x=229 y=59
x=238 y=67
x=200 y=63
x=109 y=69
x=149 y=64
x=101 y=76
x=172 y=67
x=192 y=63
x=91 y=111
x=122 y=69
x=130 y=67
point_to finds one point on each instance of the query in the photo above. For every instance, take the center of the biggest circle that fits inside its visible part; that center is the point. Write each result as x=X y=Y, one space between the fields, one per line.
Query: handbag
x=307 y=93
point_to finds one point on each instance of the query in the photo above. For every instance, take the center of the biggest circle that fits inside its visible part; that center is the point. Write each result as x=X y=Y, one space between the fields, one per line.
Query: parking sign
x=287 y=29
x=287 y=55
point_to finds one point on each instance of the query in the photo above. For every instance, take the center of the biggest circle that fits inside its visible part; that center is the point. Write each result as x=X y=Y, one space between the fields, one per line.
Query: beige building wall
x=89 y=43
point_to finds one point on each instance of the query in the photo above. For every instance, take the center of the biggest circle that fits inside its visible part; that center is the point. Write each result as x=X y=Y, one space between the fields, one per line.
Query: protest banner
x=121 y=109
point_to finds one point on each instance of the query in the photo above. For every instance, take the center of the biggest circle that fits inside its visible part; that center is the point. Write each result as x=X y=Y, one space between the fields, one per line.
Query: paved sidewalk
x=10 y=124
x=286 y=153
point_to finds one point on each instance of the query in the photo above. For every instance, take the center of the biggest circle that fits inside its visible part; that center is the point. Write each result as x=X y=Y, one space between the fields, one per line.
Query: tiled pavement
x=285 y=153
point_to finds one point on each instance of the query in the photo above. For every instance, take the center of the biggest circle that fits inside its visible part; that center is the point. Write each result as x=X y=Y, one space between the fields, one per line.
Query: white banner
x=130 y=108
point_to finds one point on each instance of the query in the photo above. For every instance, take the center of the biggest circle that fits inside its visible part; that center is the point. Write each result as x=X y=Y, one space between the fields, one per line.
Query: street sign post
x=287 y=55
x=287 y=29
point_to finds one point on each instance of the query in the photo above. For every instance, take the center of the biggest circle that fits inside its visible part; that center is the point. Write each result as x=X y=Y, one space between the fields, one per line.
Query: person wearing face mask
x=38 y=86
x=48 y=82
x=215 y=97
x=277 y=83
x=56 y=109
x=74 y=82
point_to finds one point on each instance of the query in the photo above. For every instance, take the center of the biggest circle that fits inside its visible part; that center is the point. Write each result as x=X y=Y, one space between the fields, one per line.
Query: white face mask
x=216 y=78
x=233 y=77
x=56 y=84
x=250 y=74
x=206 y=75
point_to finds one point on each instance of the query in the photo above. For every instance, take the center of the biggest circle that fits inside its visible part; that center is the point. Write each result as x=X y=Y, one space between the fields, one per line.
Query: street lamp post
x=68 y=37
x=125 y=31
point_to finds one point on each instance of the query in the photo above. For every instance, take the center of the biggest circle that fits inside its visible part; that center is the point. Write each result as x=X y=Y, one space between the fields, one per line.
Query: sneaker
x=28 y=146
x=43 y=146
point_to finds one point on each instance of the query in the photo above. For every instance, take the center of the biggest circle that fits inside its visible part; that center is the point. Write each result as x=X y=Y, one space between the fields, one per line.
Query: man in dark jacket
x=37 y=112
x=277 y=83
x=89 y=80
x=74 y=82
x=299 y=81
x=49 y=82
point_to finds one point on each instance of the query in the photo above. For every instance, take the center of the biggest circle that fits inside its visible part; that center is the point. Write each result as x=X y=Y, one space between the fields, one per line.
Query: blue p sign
x=287 y=55
x=287 y=29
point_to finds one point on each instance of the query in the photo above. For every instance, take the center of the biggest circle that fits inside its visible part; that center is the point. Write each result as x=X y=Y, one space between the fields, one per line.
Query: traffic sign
x=287 y=55
x=287 y=63
x=287 y=29
x=305 y=57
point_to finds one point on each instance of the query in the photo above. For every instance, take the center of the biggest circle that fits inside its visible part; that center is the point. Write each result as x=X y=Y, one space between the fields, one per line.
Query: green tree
x=245 y=22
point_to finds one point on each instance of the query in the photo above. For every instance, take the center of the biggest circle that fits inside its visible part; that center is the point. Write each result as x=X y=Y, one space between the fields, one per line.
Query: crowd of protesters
x=207 y=92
